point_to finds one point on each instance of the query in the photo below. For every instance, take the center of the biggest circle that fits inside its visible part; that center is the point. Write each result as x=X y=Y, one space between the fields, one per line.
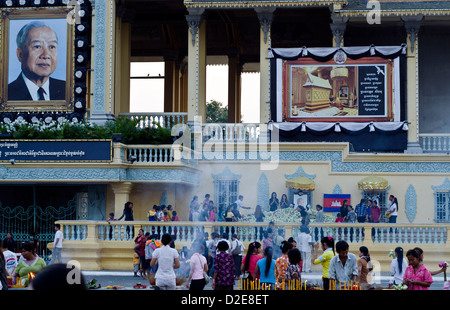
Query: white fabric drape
x=350 y=126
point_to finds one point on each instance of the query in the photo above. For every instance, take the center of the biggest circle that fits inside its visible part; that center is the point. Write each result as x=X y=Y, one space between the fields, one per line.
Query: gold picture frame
x=59 y=99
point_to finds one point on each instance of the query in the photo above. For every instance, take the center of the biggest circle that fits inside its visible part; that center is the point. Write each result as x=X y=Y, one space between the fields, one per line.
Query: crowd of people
x=368 y=210
x=223 y=262
x=207 y=211
x=16 y=269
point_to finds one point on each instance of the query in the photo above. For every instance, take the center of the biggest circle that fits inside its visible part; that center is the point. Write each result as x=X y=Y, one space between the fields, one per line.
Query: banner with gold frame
x=348 y=84
x=37 y=51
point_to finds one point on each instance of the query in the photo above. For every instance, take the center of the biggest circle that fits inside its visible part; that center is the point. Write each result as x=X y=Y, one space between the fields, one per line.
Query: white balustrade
x=159 y=154
x=165 y=120
x=435 y=143
x=75 y=232
x=230 y=132
x=248 y=232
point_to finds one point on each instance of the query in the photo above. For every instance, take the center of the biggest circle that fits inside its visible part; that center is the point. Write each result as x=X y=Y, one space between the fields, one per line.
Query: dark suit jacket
x=18 y=90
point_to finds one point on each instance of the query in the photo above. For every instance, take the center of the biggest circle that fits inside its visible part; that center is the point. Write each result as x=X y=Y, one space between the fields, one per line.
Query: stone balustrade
x=113 y=243
x=435 y=143
x=248 y=232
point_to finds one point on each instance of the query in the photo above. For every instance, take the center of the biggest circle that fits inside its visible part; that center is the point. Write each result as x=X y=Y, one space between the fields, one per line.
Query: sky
x=147 y=95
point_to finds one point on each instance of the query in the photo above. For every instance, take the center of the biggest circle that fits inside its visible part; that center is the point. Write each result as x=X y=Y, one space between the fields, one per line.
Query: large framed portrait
x=37 y=60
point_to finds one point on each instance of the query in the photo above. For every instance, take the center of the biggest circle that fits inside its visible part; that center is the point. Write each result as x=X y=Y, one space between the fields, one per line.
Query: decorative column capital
x=122 y=188
x=338 y=27
x=265 y=17
x=412 y=26
x=194 y=21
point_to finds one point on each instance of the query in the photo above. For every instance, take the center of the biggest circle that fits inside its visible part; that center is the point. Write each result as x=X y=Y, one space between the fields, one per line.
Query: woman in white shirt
x=167 y=260
x=393 y=209
x=398 y=266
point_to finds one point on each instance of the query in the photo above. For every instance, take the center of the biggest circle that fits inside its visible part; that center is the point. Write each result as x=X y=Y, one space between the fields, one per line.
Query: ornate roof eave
x=395 y=13
x=227 y=4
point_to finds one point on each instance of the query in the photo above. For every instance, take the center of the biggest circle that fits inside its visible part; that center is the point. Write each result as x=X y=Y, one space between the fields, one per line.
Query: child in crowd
x=111 y=217
x=351 y=215
x=293 y=268
x=136 y=263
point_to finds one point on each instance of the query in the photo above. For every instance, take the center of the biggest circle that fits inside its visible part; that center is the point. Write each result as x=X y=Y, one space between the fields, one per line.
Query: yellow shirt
x=136 y=258
x=325 y=259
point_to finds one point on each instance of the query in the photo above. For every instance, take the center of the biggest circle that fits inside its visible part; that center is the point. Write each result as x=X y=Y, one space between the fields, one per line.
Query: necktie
x=41 y=94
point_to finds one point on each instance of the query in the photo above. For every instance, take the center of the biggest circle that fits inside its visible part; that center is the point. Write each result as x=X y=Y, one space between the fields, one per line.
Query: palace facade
x=319 y=128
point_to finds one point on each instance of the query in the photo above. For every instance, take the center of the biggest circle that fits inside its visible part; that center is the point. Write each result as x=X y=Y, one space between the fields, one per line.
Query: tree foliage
x=216 y=112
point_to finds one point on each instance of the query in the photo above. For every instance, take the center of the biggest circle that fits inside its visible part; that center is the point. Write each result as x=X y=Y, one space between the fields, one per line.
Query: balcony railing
x=249 y=232
x=435 y=143
x=165 y=120
x=170 y=154
x=230 y=132
x=83 y=238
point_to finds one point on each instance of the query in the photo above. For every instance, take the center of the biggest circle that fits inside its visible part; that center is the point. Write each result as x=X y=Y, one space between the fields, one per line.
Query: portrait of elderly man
x=37 y=51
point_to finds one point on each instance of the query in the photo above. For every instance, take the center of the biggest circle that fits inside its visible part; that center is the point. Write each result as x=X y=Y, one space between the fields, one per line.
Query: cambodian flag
x=333 y=202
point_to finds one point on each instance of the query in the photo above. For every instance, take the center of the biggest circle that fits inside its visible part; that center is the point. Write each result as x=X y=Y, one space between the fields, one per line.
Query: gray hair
x=22 y=36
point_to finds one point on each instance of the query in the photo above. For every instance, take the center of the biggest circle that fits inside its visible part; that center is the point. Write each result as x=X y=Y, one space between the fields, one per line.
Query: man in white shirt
x=239 y=205
x=343 y=267
x=57 y=245
x=167 y=259
x=237 y=250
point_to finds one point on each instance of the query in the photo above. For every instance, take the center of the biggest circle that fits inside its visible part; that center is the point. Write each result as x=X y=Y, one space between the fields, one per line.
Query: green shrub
x=128 y=128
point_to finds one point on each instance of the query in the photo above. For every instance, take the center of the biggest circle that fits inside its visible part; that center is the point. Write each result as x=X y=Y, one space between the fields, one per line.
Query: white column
x=412 y=25
x=196 y=101
x=265 y=16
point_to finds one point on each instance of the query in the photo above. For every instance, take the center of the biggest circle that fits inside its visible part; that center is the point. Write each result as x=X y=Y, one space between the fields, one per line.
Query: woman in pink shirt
x=417 y=276
x=249 y=261
x=198 y=265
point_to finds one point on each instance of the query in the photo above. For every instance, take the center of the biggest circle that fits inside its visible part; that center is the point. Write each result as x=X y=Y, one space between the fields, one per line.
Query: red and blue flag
x=333 y=202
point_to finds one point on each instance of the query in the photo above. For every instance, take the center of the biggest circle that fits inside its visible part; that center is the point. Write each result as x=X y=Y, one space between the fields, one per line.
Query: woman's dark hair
x=341 y=246
x=365 y=252
x=222 y=246
x=399 y=252
x=395 y=200
x=329 y=241
x=251 y=247
x=54 y=277
x=127 y=204
x=285 y=246
x=268 y=253
x=420 y=251
x=29 y=246
x=294 y=256
x=413 y=252
x=166 y=239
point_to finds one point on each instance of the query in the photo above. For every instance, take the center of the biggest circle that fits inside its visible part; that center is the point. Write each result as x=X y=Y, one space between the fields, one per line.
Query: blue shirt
x=361 y=210
x=262 y=271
